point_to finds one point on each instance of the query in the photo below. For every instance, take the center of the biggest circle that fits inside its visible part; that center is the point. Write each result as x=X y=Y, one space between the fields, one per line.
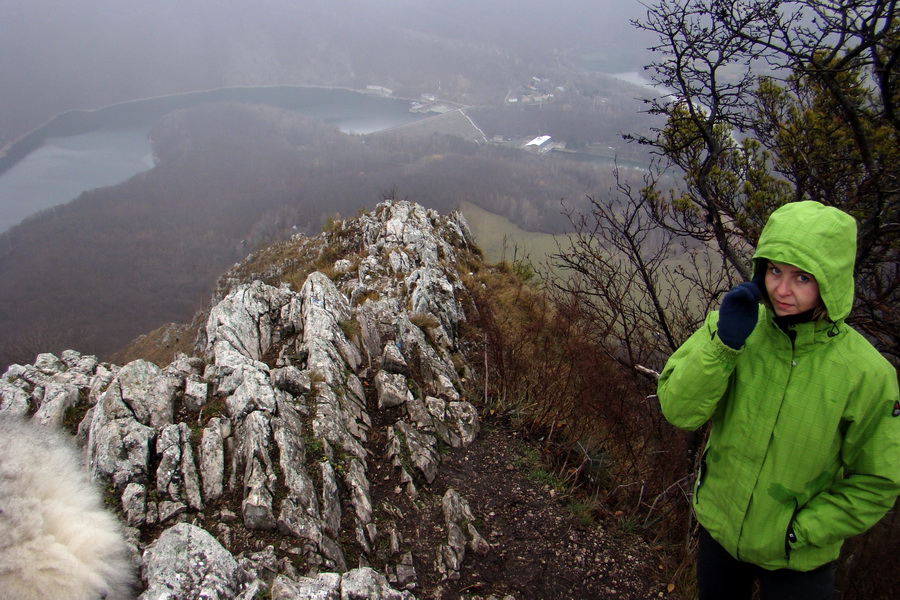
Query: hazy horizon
x=56 y=57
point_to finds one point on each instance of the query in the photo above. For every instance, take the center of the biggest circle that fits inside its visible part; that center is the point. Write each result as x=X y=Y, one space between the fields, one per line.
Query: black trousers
x=720 y=576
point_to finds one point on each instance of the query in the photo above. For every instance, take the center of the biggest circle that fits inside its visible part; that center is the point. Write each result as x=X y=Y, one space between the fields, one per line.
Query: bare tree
x=645 y=288
x=769 y=102
x=705 y=72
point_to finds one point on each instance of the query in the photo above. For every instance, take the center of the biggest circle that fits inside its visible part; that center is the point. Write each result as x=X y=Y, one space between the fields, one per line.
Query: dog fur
x=56 y=539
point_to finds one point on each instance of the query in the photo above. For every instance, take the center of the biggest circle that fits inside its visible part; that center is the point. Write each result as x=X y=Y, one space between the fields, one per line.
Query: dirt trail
x=539 y=550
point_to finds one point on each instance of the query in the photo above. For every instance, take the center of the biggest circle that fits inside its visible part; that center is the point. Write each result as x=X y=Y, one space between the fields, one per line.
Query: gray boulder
x=187 y=562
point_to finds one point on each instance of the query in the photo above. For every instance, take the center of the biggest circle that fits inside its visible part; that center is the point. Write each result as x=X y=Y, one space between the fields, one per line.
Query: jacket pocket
x=789 y=536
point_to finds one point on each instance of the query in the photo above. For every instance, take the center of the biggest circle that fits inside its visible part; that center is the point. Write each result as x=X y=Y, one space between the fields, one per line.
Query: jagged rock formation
x=266 y=432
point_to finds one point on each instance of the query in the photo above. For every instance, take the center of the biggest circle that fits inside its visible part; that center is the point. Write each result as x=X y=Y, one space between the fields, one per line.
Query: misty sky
x=58 y=55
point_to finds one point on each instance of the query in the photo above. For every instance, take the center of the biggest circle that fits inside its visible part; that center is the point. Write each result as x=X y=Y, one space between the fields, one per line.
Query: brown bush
x=599 y=424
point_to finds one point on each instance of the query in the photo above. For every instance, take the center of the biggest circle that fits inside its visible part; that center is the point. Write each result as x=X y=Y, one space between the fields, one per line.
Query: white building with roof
x=538 y=142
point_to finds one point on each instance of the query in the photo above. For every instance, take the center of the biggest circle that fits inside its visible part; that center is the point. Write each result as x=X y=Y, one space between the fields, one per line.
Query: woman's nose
x=784 y=287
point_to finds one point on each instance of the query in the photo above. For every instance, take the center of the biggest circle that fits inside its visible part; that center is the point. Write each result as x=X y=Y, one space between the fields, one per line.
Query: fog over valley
x=60 y=56
x=221 y=176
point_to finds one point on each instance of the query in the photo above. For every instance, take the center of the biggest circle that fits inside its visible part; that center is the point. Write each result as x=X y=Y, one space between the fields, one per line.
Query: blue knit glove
x=738 y=314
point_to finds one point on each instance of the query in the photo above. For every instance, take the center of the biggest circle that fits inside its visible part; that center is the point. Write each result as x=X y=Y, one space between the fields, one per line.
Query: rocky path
x=538 y=548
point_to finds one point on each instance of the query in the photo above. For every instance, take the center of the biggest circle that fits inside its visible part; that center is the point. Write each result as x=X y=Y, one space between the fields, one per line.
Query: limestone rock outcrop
x=266 y=433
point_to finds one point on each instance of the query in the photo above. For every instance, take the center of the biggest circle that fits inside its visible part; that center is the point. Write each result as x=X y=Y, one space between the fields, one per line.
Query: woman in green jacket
x=804 y=447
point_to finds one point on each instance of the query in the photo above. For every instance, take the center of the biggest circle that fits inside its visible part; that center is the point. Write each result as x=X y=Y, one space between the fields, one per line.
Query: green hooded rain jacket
x=804 y=435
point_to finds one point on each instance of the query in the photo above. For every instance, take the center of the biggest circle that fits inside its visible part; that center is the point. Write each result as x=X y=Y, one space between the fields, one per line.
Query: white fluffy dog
x=56 y=540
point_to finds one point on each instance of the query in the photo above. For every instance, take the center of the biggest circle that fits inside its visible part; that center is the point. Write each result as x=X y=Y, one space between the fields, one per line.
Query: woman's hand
x=738 y=314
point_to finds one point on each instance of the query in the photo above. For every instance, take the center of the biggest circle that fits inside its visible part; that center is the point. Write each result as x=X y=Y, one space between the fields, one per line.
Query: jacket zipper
x=701 y=470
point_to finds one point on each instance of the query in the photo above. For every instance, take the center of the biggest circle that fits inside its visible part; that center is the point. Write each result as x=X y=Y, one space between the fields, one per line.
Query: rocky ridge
x=288 y=457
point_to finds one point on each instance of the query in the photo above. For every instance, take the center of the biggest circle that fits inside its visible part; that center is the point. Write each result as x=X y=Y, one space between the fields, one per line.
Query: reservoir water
x=63 y=167
x=83 y=150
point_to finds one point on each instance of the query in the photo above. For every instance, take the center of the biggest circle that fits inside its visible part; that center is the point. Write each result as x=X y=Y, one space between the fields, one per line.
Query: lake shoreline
x=41 y=169
x=80 y=120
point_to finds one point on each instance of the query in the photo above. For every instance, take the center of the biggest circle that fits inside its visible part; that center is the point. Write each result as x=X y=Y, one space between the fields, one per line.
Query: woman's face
x=791 y=290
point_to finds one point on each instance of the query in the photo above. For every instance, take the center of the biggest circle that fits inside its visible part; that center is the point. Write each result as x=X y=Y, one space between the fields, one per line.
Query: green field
x=501 y=240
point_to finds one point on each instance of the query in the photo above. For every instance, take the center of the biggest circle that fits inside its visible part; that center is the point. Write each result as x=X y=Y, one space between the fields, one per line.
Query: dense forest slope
x=119 y=261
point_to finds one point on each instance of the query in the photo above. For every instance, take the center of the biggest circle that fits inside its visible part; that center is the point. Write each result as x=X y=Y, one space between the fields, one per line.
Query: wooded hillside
x=120 y=261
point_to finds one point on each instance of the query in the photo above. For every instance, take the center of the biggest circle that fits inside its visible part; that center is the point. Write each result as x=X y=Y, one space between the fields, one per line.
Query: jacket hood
x=819 y=239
